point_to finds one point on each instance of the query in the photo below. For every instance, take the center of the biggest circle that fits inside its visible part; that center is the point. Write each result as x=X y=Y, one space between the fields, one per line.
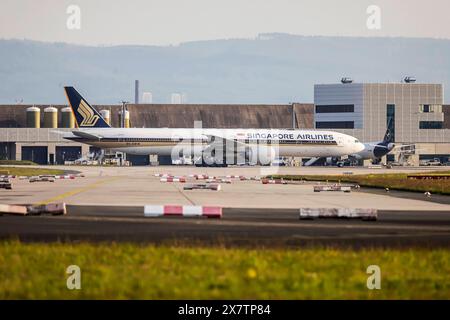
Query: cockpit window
x=356 y=141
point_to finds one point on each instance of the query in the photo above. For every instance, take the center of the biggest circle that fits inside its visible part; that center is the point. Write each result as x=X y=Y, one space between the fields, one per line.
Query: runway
x=238 y=227
x=132 y=186
x=107 y=205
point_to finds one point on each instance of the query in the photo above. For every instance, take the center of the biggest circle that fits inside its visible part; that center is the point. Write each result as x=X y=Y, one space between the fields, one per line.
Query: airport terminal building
x=415 y=113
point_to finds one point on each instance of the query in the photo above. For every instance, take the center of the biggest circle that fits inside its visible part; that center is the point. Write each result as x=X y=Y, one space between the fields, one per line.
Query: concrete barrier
x=13 y=209
x=218 y=180
x=327 y=187
x=182 y=180
x=203 y=186
x=24 y=210
x=273 y=181
x=5 y=183
x=182 y=211
x=7 y=176
x=163 y=175
x=346 y=213
x=51 y=208
x=243 y=178
x=41 y=179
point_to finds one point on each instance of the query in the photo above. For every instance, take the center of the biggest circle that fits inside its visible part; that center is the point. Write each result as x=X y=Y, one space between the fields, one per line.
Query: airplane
x=214 y=146
x=372 y=151
x=375 y=150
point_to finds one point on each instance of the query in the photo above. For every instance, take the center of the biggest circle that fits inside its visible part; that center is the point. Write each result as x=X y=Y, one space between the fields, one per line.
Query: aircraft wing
x=90 y=136
x=217 y=142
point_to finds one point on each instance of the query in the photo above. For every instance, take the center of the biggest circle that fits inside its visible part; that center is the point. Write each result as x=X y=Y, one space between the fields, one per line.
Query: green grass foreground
x=129 y=271
x=393 y=181
x=29 y=171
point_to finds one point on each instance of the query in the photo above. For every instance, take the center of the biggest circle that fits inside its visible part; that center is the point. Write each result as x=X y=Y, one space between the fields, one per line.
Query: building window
x=335 y=108
x=427 y=108
x=335 y=125
x=390 y=120
x=431 y=124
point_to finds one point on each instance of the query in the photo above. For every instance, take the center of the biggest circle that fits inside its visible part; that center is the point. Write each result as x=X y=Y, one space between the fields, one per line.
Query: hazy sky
x=108 y=22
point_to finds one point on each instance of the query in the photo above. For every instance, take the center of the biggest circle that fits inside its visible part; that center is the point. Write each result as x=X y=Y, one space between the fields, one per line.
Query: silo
x=50 y=117
x=33 y=117
x=67 y=118
x=106 y=115
x=127 y=118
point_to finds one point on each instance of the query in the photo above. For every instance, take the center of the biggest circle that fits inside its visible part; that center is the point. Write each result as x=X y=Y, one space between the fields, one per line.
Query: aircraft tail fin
x=388 y=135
x=85 y=115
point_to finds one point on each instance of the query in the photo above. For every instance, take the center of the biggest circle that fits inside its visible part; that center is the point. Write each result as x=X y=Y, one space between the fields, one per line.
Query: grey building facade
x=364 y=110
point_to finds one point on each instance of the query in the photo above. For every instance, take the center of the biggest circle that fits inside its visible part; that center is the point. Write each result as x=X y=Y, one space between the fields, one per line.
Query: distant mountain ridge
x=273 y=68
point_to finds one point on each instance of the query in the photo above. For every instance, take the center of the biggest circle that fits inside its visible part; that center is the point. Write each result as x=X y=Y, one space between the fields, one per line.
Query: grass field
x=18 y=171
x=17 y=162
x=393 y=181
x=117 y=271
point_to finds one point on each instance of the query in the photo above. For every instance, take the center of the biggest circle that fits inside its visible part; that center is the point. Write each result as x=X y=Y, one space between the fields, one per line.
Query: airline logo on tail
x=89 y=118
x=85 y=115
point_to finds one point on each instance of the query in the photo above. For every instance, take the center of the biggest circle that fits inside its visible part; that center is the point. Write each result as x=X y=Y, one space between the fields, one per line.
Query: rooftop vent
x=346 y=80
x=409 y=79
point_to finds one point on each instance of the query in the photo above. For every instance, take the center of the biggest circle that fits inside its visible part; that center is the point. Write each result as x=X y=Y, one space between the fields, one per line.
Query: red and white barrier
x=8 y=176
x=163 y=175
x=183 y=211
x=182 y=180
x=67 y=176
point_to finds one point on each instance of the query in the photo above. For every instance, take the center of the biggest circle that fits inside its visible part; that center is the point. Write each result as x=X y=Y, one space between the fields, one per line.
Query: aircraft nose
x=359 y=147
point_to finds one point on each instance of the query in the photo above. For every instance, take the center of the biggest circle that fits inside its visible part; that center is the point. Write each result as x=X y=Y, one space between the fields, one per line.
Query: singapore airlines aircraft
x=215 y=146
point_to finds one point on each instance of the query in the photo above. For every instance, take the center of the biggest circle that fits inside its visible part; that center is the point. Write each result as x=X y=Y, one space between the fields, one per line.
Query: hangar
x=26 y=133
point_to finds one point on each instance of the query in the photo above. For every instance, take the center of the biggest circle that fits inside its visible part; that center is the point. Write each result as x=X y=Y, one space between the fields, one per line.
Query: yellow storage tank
x=127 y=119
x=67 y=118
x=50 y=117
x=33 y=117
x=106 y=115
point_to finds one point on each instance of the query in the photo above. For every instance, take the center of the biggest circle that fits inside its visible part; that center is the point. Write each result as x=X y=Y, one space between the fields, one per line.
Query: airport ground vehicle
x=431 y=162
x=278 y=162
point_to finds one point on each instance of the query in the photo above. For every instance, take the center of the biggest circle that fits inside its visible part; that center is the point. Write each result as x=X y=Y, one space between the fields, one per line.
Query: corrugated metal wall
x=183 y=116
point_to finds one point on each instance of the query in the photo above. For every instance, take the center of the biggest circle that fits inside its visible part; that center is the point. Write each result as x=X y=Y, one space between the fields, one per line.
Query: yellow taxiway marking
x=76 y=191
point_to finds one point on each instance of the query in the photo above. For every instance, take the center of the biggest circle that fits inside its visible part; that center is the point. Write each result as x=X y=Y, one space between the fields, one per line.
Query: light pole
x=123 y=113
